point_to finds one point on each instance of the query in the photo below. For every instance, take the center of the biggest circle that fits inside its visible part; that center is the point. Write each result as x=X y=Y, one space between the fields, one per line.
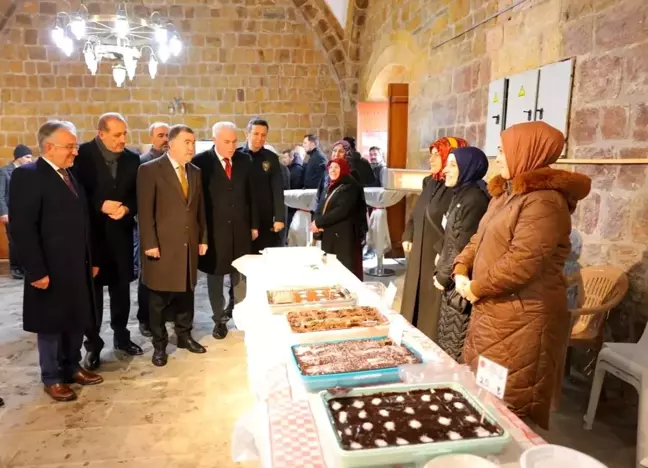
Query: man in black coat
x=232 y=220
x=316 y=165
x=159 y=133
x=50 y=226
x=268 y=186
x=107 y=171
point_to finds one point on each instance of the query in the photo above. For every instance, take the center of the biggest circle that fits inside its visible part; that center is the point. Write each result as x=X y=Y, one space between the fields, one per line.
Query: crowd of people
x=87 y=217
x=484 y=273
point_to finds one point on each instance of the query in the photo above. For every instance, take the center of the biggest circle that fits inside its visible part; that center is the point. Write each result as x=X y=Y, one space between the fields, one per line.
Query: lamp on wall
x=177 y=107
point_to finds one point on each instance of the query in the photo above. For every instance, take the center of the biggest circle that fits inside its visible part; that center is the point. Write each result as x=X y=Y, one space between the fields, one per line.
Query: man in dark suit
x=232 y=220
x=173 y=233
x=22 y=155
x=51 y=229
x=316 y=165
x=159 y=133
x=268 y=186
x=107 y=171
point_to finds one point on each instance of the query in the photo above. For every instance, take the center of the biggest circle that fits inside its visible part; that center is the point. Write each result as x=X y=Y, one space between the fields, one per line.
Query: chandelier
x=118 y=38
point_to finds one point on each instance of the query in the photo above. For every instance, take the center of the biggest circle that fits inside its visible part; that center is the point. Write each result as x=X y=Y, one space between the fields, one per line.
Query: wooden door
x=397 y=151
x=4 y=244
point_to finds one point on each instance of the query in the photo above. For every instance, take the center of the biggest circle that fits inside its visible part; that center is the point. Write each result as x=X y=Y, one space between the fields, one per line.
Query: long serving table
x=280 y=430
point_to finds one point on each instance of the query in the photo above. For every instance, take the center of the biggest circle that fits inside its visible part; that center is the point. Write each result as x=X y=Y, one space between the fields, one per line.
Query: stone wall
x=450 y=58
x=242 y=58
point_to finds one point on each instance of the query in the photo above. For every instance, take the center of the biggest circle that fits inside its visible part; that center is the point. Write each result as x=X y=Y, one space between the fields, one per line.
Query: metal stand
x=380 y=271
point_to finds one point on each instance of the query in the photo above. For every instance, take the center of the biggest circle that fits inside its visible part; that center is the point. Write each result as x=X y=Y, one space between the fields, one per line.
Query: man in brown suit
x=173 y=232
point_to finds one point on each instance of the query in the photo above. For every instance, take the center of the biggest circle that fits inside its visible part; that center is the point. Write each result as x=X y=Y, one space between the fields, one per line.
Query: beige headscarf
x=531 y=146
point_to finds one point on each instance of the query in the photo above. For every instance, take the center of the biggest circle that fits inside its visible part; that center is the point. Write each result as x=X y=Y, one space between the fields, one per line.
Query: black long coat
x=230 y=208
x=51 y=230
x=421 y=300
x=297 y=173
x=114 y=238
x=268 y=190
x=315 y=169
x=342 y=216
x=466 y=209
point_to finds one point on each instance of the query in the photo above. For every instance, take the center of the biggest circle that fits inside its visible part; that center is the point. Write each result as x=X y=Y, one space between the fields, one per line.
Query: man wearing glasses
x=107 y=172
x=51 y=229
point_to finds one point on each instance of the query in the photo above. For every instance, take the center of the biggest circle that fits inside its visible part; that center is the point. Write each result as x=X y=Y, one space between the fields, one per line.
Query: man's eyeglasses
x=67 y=147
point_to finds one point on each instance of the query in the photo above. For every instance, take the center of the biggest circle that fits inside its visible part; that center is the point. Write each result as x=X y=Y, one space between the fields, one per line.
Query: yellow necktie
x=183 y=181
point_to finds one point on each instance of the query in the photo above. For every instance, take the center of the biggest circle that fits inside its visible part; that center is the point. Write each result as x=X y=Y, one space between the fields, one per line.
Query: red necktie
x=68 y=181
x=228 y=168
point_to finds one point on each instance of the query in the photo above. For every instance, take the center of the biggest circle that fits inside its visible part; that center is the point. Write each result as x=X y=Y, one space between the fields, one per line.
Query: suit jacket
x=150 y=155
x=115 y=238
x=51 y=231
x=169 y=221
x=297 y=173
x=5 y=177
x=231 y=210
x=315 y=169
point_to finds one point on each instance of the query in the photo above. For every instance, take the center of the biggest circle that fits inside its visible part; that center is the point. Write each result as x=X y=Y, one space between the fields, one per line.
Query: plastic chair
x=600 y=289
x=629 y=362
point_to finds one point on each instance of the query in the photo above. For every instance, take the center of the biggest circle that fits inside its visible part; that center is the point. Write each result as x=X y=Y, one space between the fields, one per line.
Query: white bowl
x=459 y=460
x=557 y=456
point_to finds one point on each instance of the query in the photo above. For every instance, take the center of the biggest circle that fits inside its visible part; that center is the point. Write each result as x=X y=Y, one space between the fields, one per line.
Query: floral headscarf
x=445 y=146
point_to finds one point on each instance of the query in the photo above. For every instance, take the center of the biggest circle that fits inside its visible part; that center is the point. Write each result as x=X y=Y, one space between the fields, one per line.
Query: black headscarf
x=473 y=165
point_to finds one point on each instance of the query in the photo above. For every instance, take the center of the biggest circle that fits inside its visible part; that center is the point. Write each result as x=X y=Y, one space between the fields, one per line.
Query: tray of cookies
x=282 y=300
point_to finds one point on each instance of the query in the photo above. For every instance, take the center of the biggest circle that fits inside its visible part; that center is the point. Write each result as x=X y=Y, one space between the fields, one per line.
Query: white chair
x=629 y=362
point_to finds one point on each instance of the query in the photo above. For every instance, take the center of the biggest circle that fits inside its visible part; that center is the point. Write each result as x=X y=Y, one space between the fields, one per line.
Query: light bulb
x=91 y=61
x=131 y=66
x=119 y=75
x=163 y=53
x=121 y=26
x=161 y=34
x=67 y=45
x=175 y=45
x=78 y=27
x=152 y=66
x=57 y=35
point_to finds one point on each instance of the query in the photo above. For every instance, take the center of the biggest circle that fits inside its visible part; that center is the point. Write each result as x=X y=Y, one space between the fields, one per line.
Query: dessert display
x=307 y=295
x=314 y=320
x=352 y=356
x=397 y=419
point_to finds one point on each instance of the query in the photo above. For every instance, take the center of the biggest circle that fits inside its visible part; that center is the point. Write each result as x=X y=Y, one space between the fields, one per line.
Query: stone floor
x=183 y=415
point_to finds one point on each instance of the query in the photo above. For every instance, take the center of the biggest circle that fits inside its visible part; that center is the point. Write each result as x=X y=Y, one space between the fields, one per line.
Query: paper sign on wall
x=492 y=377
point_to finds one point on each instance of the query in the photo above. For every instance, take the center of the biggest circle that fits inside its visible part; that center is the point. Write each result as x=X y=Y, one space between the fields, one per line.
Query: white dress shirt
x=222 y=159
x=54 y=166
x=176 y=166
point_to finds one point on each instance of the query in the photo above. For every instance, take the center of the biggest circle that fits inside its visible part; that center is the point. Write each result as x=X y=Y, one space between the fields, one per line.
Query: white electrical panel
x=522 y=98
x=554 y=94
x=496 y=116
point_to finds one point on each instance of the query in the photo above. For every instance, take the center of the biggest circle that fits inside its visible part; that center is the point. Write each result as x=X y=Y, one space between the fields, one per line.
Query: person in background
x=22 y=155
x=51 y=228
x=107 y=171
x=316 y=167
x=173 y=232
x=159 y=133
x=464 y=174
x=285 y=175
x=422 y=240
x=300 y=152
x=341 y=221
x=360 y=167
x=377 y=166
x=512 y=269
x=232 y=221
x=295 y=163
x=268 y=186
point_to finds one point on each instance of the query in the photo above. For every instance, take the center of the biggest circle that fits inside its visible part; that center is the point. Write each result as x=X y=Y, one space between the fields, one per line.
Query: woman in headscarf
x=423 y=238
x=341 y=220
x=464 y=174
x=515 y=265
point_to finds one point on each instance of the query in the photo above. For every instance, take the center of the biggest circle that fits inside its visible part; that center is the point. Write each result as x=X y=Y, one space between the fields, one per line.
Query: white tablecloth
x=280 y=429
x=303 y=201
x=378 y=236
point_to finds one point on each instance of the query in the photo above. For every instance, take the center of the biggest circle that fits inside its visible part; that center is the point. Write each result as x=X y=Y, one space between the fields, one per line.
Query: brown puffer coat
x=516 y=262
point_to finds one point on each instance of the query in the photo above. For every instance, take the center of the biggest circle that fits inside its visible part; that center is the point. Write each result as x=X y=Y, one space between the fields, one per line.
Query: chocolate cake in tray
x=317 y=320
x=377 y=426
x=282 y=300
